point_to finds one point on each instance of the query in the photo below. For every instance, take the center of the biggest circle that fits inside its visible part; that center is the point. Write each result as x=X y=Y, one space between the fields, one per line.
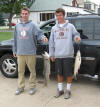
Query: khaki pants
x=30 y=61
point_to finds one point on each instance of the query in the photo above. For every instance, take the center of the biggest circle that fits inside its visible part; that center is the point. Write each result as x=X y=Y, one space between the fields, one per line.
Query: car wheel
x=8 y=66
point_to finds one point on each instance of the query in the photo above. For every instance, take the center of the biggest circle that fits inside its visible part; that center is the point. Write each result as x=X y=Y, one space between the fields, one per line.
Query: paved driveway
x=85 y=93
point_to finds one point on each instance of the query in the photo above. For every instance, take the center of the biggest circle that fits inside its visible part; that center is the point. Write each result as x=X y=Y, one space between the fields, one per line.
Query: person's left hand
x=45 y=39
x=78 y=39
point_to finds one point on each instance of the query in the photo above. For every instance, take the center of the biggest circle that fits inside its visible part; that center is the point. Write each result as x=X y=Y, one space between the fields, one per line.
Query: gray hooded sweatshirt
x=25 y=38
x=61 y=40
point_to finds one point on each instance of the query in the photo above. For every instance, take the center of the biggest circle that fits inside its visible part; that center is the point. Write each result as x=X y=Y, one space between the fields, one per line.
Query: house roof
x=44 y=5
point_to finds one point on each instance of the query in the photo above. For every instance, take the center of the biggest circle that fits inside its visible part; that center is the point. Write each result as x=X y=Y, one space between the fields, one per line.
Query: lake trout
x=77 y=63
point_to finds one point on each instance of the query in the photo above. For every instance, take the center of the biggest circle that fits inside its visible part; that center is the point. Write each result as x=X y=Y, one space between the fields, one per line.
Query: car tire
x=8 y=66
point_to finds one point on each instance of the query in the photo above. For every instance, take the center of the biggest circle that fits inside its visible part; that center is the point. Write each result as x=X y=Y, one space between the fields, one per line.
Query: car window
x=84 y=27
x=47 y=29
x=97 y=29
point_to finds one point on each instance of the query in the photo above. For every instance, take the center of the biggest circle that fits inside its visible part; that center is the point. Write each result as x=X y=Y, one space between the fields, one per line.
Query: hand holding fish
x=52 y=59
x=78 y=39
x=45 y=39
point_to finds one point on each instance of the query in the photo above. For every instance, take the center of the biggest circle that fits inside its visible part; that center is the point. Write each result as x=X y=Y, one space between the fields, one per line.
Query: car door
x=97 y=41
x=85 y=26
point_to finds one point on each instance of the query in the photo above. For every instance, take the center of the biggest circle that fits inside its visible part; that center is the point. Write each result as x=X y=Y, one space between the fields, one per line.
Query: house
x=87 y=4
x=71 y=10
x=43 y=10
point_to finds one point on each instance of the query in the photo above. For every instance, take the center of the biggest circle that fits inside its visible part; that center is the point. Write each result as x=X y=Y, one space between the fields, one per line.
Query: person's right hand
x=52 y=59
x=78 y=39
x=15 y=55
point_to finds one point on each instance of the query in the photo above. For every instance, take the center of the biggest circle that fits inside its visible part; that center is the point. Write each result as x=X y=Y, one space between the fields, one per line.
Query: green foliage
x=13 y=7
x=2 y=21
x=5 y=35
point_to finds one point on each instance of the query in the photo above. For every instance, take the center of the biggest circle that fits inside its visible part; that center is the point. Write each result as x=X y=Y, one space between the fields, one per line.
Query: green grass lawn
x=5 y=35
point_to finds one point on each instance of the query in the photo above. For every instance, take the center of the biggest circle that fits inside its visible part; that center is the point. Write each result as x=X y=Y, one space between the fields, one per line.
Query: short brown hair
x=60 y=10
x=25 y=8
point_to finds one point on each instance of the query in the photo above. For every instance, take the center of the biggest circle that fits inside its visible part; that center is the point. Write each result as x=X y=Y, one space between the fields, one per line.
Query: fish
x=77 y=64
x=46 y=70
x=46 y=55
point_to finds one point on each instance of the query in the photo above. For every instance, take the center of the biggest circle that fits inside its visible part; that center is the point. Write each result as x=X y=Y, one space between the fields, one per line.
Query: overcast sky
x=95 y=1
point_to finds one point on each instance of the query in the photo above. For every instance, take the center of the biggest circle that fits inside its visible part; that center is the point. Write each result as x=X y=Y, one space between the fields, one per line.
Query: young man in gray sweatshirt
x=24 y=49
x=61 y=51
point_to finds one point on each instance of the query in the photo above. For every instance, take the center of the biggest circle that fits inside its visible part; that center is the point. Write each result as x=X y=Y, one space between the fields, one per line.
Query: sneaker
x=59 y=93
x=32 y=91
x=19 y=91
x=67 y=94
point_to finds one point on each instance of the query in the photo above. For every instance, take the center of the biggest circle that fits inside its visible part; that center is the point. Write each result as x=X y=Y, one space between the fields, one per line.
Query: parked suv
x=89 y=28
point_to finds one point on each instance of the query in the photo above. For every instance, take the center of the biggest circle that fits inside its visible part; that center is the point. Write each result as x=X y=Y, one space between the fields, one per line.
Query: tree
x=13 y=7
x=2 y=21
